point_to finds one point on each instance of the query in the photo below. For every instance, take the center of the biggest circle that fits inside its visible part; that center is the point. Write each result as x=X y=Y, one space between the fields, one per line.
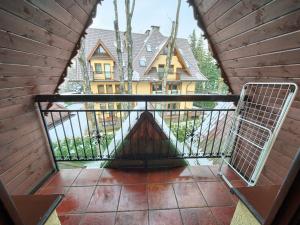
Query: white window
x=143 y=61
x=149 y=49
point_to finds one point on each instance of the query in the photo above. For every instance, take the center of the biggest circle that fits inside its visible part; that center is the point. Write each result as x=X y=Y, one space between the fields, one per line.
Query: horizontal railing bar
x=138 y=110
x=135 y=98
x=143 y=159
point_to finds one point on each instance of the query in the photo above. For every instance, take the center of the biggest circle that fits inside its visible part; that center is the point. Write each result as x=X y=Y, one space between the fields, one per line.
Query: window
x=102 y=106
x=101 y=89
x=173 y=89
x=107 y=72
x=119 y=106
x=171 y=69
x=98 y=68
x=149 y=49
x=117 y=89
x=156 y=88
x=143 y=61
x=172 y=106
x=101 y=50
x=109 y=89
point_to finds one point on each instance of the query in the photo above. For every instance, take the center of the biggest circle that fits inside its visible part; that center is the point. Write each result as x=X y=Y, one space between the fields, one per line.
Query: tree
x=207 y=66
x=129 y=8
x=119 y=51
x=171 y=45
x=84 y=70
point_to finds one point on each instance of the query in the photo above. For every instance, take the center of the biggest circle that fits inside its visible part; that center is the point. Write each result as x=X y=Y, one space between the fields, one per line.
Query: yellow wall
x=103 y=61
x=161 y=59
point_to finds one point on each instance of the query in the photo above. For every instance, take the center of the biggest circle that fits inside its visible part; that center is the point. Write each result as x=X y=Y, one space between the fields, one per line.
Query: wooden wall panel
x=259 y=41
x=37 y=41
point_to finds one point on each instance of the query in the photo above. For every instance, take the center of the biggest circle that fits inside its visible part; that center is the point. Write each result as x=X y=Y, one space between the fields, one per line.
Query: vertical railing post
x=48 y=136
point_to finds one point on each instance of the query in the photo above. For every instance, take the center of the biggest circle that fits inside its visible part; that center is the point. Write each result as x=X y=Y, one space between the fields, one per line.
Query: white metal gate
x=257 y=120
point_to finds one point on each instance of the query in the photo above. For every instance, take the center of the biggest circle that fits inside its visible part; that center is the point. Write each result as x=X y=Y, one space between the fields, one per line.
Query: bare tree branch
x=171 y=45
x=129 y=44
x=119 y=46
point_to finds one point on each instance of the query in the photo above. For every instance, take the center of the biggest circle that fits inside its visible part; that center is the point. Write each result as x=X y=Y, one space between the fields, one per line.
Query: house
x=252 y=41
x=149 y=54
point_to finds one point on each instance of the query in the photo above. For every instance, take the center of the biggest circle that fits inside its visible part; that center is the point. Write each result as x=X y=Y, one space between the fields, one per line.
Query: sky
x=147 y=13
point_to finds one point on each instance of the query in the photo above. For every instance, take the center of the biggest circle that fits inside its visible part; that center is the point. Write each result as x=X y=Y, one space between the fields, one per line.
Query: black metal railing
x=135 y=127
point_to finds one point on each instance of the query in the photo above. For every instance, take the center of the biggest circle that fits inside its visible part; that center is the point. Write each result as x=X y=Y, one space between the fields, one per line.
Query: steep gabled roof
x=140 y=41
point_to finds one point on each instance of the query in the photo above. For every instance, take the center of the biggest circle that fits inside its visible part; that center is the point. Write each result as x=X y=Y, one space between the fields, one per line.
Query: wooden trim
x=9 y=205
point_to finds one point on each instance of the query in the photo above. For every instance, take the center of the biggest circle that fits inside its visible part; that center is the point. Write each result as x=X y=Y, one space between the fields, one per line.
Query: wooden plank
x=267 y=13
x=75 y=10
x=276 y=27
x=286 y=57
x=88 y=5
x=217 y=10
x=34 y=15
x=20 y=144
x=59 y=13
x=9 y=82
x=277 y=71
x=234 y=13
x=26 y=70
x=271 y=174
x=8 y=56
x=9 y=136
x=24 y=91
x=16 y=42
x=35 y=178
x=18 y=180
x=6 y=124
x=279 y=43
x=281 y=159
x=14 y=110
x=29 y=30
x=7 y=166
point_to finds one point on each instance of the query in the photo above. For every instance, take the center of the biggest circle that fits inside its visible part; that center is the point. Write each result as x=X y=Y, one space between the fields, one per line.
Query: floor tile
x=226 y=170
x=180 y=174
x=88 y=177
x=223 y=215
x=157 y=176
x=197 y=216
x=52 y=190
x=132 y=218
x=215 y=193
x=71 y=219
x=202 y=173
x=238 y=183
x=165 y=217
x=98 y=219
x=113 y=176
x=161 y=196
x=76 y=200
x=188 y=195
x=64 y=177
x=105 y=198
x=133 y=197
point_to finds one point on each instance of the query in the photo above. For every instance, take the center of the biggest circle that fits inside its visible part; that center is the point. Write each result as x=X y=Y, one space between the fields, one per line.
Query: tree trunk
x=119 y=51
x=129 y=13
x=171 y=46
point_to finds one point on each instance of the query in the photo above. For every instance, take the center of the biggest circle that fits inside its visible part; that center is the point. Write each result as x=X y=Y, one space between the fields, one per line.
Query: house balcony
x=102 y=76
x=156 y=165
x=146 y=168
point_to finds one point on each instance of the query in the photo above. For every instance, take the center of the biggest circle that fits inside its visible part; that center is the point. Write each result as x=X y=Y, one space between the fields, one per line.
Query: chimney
x=147 y=32
x=156 y=28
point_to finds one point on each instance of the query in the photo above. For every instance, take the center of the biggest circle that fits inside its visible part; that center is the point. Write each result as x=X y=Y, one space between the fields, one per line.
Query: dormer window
x=143 y=62
x=101 y=51
x=149 y=49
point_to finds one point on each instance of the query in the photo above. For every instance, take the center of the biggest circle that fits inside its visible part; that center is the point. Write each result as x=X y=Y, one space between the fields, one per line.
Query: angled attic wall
x=258 y=41
x=38 y=39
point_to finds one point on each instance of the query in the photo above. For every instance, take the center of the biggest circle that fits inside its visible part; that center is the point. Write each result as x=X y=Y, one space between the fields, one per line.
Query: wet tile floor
x=183 y=196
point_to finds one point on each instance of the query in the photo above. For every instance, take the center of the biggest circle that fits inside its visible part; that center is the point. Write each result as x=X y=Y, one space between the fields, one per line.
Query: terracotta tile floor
x=183 y=196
